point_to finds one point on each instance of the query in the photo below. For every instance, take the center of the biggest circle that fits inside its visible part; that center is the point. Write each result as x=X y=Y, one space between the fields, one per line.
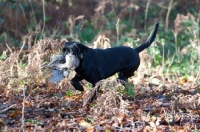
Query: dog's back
x=117 y=59
x=97 y=64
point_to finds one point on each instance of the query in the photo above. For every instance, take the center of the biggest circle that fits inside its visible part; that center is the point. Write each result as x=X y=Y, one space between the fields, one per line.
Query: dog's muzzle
x=71 y=62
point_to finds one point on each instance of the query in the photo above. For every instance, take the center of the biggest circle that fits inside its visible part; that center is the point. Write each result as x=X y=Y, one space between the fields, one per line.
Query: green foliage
x=124 y=39
x=2 y=38
x=48 y=18
x=36 y=122
x=3 y=57
x=89 y=119
x=89 y=86
x=69 y=93
x=156 y=53
x=22 y=64
x=51 y=95
x=130 y=90
x=167 y=50
x=1 y=20
x=88 y=33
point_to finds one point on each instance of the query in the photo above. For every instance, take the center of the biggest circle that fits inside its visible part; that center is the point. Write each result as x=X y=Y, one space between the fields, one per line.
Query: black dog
x=97 y=64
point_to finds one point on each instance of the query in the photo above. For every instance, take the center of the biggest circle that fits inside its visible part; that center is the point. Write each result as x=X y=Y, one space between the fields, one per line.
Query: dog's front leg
x=76 y=83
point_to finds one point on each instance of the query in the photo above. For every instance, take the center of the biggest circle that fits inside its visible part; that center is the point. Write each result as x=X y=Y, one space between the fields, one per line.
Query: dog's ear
x=66 y=47
x=69 y=45
x=82 y=50
x=75 y=47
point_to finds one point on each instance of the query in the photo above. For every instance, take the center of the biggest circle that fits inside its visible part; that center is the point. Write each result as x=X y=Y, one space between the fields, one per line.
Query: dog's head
x=73 y=52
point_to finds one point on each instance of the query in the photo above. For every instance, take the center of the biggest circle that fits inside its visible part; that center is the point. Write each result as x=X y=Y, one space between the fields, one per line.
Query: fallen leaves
x=85 y=124
x=188 y=101
x=160 y=107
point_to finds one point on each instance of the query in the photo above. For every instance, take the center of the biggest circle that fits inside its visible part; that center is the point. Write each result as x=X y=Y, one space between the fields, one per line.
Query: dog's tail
x=149 y=40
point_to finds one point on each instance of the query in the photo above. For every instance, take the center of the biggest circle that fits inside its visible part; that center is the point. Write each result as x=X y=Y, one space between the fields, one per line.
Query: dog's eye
x=66 y=50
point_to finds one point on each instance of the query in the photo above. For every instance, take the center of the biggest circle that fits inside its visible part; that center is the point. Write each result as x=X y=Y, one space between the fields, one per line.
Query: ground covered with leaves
x=154 y=107
x=30 y=102
x=163 y=95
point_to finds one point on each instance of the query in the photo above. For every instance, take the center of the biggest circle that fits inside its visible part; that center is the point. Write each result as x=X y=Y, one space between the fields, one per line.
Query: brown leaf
x=90 y=129
x=1 y=123
x=15 y=113
x=121 y=117
x=102 y=117
x=84 y=124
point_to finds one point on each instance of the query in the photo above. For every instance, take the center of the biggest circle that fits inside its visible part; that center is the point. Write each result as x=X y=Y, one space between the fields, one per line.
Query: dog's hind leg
x=124 y=76
x=76 y=83
x=123 y=79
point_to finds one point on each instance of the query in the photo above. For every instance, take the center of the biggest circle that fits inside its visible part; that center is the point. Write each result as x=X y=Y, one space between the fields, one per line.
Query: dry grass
x=160 y=103
x=19 y=66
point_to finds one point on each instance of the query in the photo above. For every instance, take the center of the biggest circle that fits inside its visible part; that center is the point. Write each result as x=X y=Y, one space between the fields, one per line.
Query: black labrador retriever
x=94 y=65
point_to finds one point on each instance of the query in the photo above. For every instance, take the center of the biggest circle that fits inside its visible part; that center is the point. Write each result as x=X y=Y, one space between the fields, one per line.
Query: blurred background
x=120 y=22
x=163 y=94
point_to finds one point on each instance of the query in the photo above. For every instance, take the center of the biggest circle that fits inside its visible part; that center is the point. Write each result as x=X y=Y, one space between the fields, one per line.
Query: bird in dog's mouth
x=61 y=66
